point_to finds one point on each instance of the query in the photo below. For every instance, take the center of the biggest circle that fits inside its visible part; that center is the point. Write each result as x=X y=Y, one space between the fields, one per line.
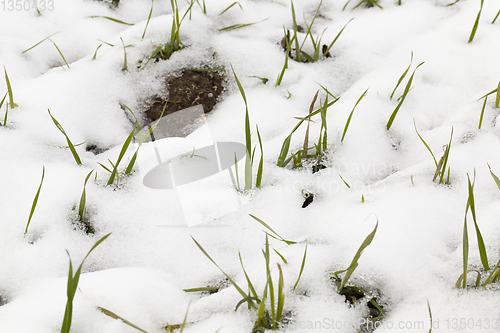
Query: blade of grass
x=6 y=110
x=446 y=155
x=495 y=178
x=120 y=156
x=480 y=241
x=346 y=184
x=70 y=144
x=482 y=113
x=242 y=293
x=350 y=115
x=496 y=16
x=260 y=169
x=476 y=23
x=83 y=199
x=425 y=144
x=287 y=55
x=9 y=90
x=35 y=201
x=490 y=93
x=407 y=89
x=125 y=67
x=402 y=76
x=354 y=262
x=295 y=29
x=73 y=286
x=335 y=39
x=115 y=316
x=301 y=269
x=60 y=53
x=95 y=54
x=281 y=256
x=306 y=138
x=249 y=282
x=40 y=42
x=269 y=283
x=241 y=25
x=149 y=18
x=271 y=229
x=497 y=101
x=111 y=19
x=230 y=6
x=430 y=316
x=281 y=297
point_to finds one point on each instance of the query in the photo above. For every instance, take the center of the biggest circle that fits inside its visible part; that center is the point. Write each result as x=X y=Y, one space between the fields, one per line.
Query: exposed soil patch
x=192 y=87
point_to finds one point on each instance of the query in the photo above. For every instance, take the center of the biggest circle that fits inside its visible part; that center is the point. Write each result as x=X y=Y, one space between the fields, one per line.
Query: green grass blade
x=465 y=249
x=446 y=155
x=194 y=290
x=493 y=22
x=70 y=144
x=149 y=18
x=9 y=89
x=425 y=144
x=402 y=76
x=430 y=316
x=73 y=286
x=285 y=66
x=249 y=282
x=482 y=113
x=354 y=262
x=95 y=54
x=267 y=254
x=281 y=297
x=115 y=316
x=60 y=53
x=346 y=184
x=40 y=42
x=494 y=273
x=35 y=201
x=301 y=269
x=111 y=19
x=495 y=178
x=490 y=93
x=125 y=67
x=350 y=115
x=281 y=256
x=260 y=169
x=6 y=110
x=476 y=23
x=122 y=153
x=336 y=37
x=83 y=200
x=407 y=89
x=230 y=6
x=241 y=25
x=242 y=293
x=295 y=28
x=497 y=101
x=271 y=229
x=480 y=241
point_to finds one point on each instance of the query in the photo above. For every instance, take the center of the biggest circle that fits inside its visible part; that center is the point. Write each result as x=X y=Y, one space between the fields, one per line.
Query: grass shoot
x=117 y=317
x=274 y=233
x=476 y=23
x=6 y=110
x=125 y=66
x=350 y=115
x=402 y=76
x=405 y=93
x=354 y=263
x=70 y=144
x=35 y=201
x=73 y=286
x=443 y=161
x=149 y=18
x=230 y=6
x=425 y=144
x=9 y=90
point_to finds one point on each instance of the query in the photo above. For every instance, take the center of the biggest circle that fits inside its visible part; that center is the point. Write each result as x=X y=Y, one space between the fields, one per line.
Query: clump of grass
x=73 y=280
x=476 y=23
x=350 y=115
x=322 y=142
x=443 y=161
x=320 y=51
x=249 y=156
x=267 y=318
x=70 y=144
x=462 y=280
x=35 y=201
x=405 y=93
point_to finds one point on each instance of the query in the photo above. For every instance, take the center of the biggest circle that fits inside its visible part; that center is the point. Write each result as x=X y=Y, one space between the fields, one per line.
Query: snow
x=140 y=271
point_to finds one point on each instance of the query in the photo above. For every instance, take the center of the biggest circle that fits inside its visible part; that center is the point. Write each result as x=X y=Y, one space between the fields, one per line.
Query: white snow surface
x=139 y=272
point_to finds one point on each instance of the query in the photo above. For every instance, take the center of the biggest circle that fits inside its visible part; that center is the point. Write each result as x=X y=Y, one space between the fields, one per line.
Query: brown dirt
x=192 y=87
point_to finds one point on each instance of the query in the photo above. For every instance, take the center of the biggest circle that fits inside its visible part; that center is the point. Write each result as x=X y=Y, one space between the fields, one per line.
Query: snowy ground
x=140 y=271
